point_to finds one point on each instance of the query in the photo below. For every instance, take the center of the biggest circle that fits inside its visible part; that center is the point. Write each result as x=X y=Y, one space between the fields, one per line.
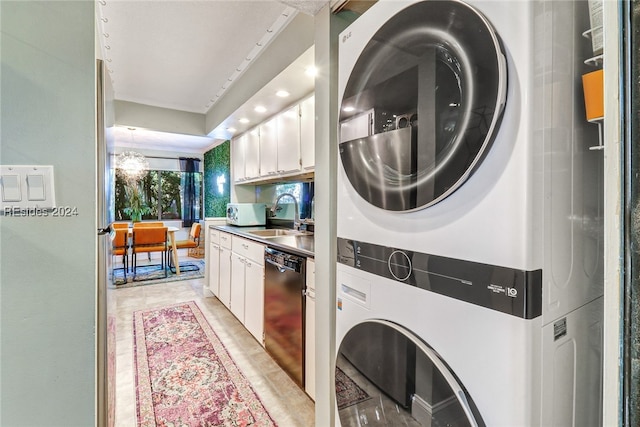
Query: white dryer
x=469 y=216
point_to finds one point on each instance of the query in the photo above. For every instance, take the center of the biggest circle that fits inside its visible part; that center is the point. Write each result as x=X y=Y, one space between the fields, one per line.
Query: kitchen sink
x=276 y=232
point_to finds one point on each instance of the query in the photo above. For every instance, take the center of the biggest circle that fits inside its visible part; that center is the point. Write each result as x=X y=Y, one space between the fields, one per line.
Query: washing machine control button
x=399 y=265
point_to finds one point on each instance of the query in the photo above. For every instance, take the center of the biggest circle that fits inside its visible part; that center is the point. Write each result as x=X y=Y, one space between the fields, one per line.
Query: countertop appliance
x=284 y=305
x=246 y=214
x=453 y=228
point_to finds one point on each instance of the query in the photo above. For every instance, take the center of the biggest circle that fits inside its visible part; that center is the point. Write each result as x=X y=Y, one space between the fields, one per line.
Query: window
x=162 y=192
x=303 y=192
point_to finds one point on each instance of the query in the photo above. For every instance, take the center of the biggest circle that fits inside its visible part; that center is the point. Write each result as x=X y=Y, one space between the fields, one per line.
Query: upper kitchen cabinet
x=269 y=148
x=238 y=148
x=307 y=133
x=252 y=154
x=289 y=140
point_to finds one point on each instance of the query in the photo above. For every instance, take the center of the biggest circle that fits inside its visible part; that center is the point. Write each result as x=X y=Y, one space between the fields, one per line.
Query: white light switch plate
x=26 y=186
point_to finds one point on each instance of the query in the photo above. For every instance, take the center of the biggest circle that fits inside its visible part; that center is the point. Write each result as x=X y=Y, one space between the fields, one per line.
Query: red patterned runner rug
x=185 y=376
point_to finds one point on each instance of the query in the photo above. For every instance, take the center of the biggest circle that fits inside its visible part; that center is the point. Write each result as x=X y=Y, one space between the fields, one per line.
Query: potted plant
x=136 y=207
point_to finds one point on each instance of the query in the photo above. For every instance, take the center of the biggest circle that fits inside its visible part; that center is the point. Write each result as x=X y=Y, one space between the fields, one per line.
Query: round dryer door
x=386 y=376
x=422 y=105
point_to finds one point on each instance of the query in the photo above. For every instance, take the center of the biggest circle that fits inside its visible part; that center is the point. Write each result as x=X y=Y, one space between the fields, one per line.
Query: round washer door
x=386 y=376
x=422 y=105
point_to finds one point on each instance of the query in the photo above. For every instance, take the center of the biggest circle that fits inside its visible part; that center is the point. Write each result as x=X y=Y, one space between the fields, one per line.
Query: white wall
x=48 y=265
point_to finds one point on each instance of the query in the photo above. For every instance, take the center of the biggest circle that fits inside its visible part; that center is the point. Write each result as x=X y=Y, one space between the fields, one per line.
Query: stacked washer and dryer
x=469 y=276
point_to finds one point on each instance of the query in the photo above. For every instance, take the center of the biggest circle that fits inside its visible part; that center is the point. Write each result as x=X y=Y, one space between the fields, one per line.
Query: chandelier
x=133 y=164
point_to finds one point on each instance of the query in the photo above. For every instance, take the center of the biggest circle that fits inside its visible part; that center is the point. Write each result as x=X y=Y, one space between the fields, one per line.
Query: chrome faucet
x=296 y=219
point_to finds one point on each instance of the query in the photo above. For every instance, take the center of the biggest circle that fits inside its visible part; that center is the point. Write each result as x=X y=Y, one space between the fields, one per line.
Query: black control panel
x=512 y=291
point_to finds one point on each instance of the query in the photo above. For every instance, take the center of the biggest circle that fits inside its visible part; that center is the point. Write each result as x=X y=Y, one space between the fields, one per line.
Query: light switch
x=26 y=187
x=35 y=187
x=11 y=188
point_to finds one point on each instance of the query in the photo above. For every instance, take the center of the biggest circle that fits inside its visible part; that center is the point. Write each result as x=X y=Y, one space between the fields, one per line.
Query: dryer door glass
x=422 y=105
x=386 y=376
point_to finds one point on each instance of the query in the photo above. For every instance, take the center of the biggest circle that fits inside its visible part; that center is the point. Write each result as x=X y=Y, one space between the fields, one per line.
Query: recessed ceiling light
x=348 y=109
x=282 y=93
x=260 y=109
x=232 y=130
x=311 y=71
x=244 y=120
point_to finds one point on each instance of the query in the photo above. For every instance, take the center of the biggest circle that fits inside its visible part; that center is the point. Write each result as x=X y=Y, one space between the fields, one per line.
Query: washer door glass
x=386 y=376
x=422 y=105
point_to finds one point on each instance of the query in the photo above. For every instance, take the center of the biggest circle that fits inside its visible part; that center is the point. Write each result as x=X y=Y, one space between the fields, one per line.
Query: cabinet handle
x=244 y=245
x=248 y=264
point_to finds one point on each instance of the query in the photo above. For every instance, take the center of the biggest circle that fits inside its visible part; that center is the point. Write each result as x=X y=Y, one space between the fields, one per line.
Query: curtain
x=190 y=200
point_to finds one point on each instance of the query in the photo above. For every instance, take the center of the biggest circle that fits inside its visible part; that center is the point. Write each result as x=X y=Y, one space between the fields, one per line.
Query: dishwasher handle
x=280 y=267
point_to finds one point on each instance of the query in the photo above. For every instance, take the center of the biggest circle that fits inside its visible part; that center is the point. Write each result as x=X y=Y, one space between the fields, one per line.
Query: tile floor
x=288 y=405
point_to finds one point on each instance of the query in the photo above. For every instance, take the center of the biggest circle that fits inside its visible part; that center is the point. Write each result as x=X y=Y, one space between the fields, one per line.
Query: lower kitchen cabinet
x=247 y=285
x=224 y=284
x=237 y=286
x=310 y=331
x=254 y=300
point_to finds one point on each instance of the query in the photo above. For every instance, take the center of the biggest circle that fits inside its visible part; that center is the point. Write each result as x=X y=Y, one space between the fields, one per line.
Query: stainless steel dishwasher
x=284 y=303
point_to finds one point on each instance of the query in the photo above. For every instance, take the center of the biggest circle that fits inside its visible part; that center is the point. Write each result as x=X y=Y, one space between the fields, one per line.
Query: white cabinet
x=310 y=331
x=269 y=148
x=247 y=285
x=307 y=133
x=237 y=286
x=213 y=262
x=289 y=140
x=238 y=147
x=254 y=299
x=252 y=154
x=224 y=269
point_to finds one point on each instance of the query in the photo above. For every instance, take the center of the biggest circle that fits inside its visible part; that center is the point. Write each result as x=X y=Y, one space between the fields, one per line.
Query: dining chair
x=147 y=224
x=120 y=245
x=116 y=225
x=149 y=239
x=192 y=242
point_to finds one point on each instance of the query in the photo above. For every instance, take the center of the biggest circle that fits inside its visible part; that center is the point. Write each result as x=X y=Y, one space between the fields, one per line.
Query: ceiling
x=185 y=54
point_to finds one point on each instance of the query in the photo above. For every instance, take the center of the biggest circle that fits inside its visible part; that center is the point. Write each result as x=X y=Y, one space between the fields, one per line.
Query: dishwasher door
x=284 y=302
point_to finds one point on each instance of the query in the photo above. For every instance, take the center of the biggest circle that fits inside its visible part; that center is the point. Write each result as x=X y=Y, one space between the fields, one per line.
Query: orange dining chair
x=149 y=239
x=121 y=247
x=192 y=242
x=147 y=224
x=124 y=225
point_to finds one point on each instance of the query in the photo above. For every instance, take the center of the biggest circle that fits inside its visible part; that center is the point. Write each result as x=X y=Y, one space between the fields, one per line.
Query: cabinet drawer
x=225 y=240
x=249 y=249
x=214 y=236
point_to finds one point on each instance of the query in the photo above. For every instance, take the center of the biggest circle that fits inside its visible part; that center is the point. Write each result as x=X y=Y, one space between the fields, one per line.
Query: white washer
x=469 y=211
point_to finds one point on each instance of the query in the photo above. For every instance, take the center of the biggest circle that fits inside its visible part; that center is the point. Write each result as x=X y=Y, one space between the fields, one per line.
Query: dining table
x=172 y=241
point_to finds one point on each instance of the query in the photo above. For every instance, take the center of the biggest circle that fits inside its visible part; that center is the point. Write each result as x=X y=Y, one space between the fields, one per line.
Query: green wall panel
x=217 y=165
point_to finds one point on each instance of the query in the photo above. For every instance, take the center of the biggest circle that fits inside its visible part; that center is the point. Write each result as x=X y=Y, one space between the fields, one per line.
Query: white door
x=237 y=286
x=269 y=148
x=289 y=140
x=254 y=300
x=307 y=133
x=224 y=285
x=214 y=269
x=252 y=154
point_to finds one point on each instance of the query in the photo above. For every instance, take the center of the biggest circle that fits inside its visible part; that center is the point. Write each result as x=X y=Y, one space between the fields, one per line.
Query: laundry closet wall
x=48 y=264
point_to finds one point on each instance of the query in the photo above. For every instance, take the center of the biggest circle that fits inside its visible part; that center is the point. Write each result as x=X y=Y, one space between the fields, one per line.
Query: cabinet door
x=237 y=286
x=252 y=154
x=224 y=284
x=269 y=148
x=254 y=299
x=307 y=133
x=237 y=157
x=214 y=269
x=310 y=345
x=289 y=140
